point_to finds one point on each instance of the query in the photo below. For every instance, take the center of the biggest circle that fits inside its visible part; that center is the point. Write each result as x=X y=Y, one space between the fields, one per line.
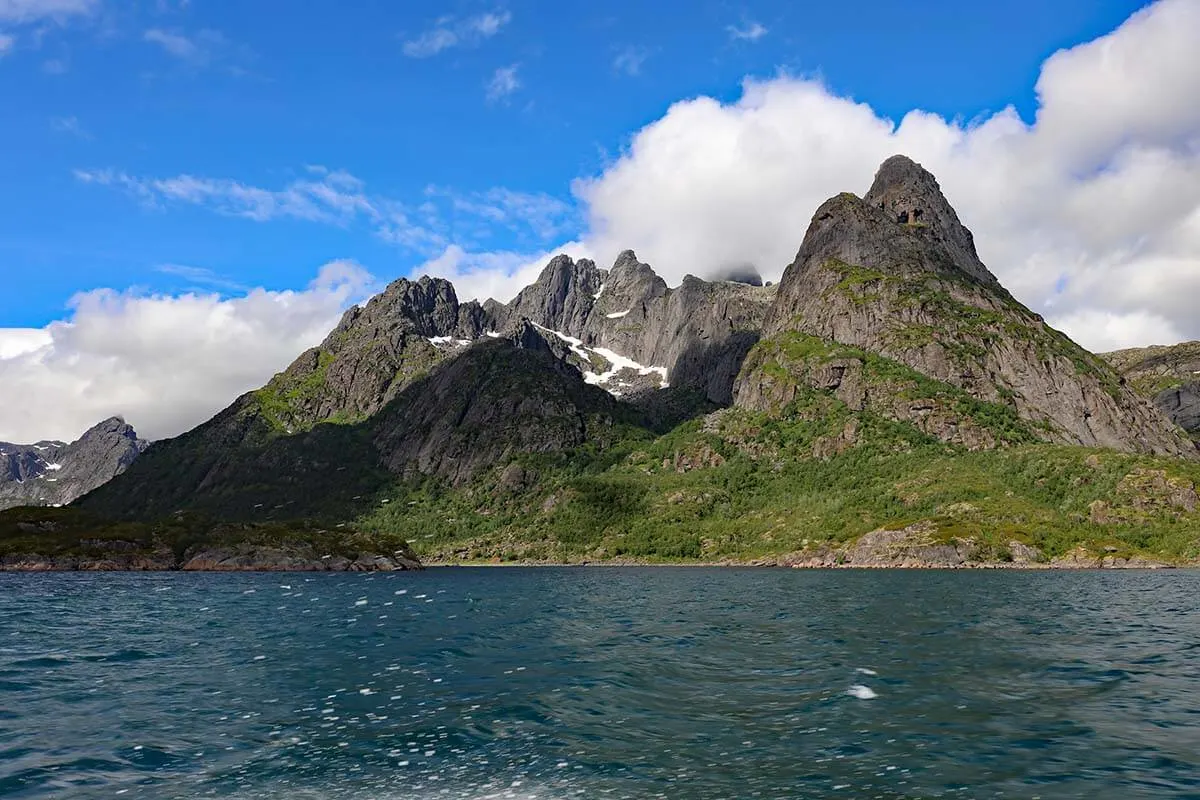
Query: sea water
x=601 y=683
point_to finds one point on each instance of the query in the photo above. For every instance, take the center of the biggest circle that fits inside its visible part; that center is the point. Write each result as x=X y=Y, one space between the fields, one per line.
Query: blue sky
x=100 y=99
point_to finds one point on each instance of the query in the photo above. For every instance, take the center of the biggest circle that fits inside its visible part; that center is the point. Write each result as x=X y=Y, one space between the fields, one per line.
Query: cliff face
x=56 y=473
x=495 y=400
x=693 y=336
x=1168 y=376
x=895 y=274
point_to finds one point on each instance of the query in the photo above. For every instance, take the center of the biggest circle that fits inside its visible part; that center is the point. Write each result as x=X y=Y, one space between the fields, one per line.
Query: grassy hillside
x=737 y=485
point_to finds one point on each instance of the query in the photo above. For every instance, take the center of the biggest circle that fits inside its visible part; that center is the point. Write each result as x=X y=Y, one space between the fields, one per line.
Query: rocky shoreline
x=115 y=556
x=916 y=546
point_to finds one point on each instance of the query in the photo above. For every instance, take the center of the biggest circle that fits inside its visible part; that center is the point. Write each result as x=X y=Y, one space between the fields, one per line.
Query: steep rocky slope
x=1169 y=376
x=895 y=277
x=55 y=473
x=693 y=336
x=499 y=398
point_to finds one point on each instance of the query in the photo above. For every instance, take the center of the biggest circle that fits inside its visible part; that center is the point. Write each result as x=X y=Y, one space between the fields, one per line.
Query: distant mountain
x=1167 y=375
x=55 y=473
x=887 y=386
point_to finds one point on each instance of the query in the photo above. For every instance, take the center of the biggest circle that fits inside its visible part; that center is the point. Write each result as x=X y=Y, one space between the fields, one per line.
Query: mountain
x=887 y=293
x=1169 y=376
x=55 y=473
x=887 y=402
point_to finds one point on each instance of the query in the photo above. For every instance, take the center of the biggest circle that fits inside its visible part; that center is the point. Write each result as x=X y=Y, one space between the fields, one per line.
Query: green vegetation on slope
x=744 y=486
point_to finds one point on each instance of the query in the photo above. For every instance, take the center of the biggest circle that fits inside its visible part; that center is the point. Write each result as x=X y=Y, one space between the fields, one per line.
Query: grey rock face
x=375 y=351
x=55 y=473
x=698 y=332
x=1167 y=375
x=1181 y=404
x=493 y=400
x=869 y=277
x=909 y=193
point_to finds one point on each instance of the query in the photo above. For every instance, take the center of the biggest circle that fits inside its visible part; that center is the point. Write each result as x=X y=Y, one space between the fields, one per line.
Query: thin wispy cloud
x=629 y=60
x=30 y=11
x=541 y=214
x=6 y=44
x=749 y=31
x=451 y=31
x=325 y=200
x=198 y=50
x=70 y=126
x=202 y=276
x=335 y=197
x=503 y=84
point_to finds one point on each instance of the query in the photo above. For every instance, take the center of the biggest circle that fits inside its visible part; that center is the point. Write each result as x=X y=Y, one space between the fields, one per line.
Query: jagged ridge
x=56 y=473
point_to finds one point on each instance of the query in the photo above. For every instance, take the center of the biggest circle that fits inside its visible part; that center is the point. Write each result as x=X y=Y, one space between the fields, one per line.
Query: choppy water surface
x=601 y=683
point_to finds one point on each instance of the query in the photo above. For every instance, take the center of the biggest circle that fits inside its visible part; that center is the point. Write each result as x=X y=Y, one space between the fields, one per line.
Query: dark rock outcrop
x=55 y=473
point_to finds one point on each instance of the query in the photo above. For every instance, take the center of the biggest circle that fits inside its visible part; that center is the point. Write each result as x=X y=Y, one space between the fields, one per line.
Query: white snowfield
x=618 y=314
x=438 y=341
x=607 y=380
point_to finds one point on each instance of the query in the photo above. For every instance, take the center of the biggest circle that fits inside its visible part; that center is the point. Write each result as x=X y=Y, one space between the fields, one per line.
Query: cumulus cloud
x=450 y=31
x=164 y=362
x=1090 y=213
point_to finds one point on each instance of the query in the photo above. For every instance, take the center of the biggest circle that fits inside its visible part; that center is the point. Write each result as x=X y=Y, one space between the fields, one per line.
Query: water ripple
x=611 y=682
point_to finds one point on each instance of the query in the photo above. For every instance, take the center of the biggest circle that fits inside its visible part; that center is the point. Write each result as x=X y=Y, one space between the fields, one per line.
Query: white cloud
x=202 y=276
x=1091 y=214
x=1107 y=330
x=164 y=362
x=18 y=341
x=629 y=60
x=69 y=125
x=748 y=31
x=545 y=216
x=6 y=43
x=28 y=11
x=199 y=50
x=450 y=31
x=503 y=83
x=335 y=197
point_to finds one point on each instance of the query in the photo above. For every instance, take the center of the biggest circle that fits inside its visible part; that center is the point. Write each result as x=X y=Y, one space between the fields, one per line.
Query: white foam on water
x=865 y=671
x=862 y=692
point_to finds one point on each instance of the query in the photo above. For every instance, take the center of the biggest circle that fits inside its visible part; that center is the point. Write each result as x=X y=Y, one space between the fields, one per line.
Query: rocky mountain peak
x=56 y=473
x=630 y=282
x=895 y=274
x=561 y=297
x=910 y=195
